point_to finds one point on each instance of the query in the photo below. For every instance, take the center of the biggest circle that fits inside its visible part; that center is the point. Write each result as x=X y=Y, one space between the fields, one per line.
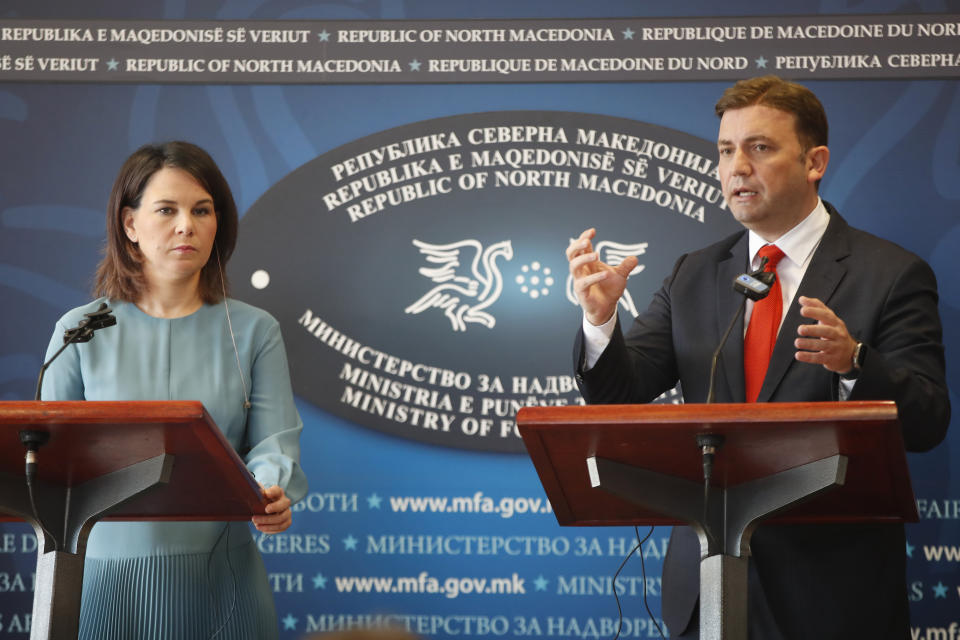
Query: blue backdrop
x=376 y=507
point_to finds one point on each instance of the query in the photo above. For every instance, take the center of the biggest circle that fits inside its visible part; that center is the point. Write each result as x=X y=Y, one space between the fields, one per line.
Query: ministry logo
x=462 y=294
x=419 y=273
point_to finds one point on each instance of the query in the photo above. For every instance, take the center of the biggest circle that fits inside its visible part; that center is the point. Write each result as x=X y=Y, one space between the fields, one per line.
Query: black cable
x=33 y=440
x=33 y=505
x=233 y=606
x=643 y=570
x=613 y=583
x=709 y=444
x=707 y=473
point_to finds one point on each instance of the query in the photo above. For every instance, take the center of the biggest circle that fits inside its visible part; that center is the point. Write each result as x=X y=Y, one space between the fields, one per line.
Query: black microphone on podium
x=754 y=286
x=33 y=439
x=83 y=332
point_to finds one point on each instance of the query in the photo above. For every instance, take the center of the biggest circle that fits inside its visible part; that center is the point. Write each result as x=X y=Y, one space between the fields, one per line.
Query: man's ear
x=128 y=225
x=817 y=160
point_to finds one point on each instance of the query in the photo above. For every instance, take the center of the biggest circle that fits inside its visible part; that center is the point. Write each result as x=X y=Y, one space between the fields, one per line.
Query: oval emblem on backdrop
x=419 y=273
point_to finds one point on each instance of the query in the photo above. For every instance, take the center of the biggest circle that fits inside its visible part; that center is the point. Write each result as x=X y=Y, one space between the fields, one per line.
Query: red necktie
x=763 y=327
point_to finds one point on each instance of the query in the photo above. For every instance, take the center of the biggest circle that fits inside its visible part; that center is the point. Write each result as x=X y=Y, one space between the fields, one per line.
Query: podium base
x=72 y=512
x=723 y=602
x=724 y=527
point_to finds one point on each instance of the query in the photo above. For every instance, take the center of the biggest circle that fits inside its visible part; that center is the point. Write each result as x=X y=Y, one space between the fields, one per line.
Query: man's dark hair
x=772 y=91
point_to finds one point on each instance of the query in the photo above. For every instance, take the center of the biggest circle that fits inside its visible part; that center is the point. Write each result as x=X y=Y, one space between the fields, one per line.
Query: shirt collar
x=799 y=243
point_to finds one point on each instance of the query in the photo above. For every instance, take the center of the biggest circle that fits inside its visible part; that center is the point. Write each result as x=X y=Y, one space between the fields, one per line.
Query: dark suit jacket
x=836 y=581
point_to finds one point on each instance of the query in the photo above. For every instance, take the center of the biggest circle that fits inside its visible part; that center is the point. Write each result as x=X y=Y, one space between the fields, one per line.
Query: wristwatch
x=859 y=353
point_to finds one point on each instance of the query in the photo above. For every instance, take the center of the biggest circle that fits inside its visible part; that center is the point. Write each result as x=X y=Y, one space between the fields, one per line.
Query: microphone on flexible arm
x=34 y=439
x=83 y=332
x=755 y=286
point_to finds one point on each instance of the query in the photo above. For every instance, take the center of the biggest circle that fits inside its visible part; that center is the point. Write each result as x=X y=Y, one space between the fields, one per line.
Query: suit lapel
x=731 y=363
x=820 y=281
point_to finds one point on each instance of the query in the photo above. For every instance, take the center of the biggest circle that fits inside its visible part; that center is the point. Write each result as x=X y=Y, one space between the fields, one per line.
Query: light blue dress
x=185 y=579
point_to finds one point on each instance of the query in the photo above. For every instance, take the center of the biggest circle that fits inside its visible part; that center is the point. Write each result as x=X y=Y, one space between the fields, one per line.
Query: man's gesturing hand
x=598 y=286
x=827 y=342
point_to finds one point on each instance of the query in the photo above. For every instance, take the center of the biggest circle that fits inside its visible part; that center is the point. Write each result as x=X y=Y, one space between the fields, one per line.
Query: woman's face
x=174 y=226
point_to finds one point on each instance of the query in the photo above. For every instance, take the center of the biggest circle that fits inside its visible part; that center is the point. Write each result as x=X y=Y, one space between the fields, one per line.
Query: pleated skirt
x=221 y=595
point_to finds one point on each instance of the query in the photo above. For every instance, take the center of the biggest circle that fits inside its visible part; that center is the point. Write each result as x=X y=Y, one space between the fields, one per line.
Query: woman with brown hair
x=171 y=227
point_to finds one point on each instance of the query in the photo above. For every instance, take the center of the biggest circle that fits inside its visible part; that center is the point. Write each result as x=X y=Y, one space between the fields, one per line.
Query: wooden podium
x=810 y=462
x=116 y=460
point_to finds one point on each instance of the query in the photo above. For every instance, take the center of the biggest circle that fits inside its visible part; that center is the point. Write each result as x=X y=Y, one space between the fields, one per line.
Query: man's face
x=768 y=179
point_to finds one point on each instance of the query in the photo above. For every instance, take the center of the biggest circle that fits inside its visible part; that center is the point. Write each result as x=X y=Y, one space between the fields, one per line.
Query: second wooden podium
x=813 y=462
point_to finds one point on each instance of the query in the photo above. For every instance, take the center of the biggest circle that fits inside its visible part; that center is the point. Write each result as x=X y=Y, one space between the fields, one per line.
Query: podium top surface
x=89 y=439
x=759 y=440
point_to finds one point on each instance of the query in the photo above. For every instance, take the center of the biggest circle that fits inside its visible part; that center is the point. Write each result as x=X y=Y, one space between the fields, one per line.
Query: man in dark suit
x=857 y=320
